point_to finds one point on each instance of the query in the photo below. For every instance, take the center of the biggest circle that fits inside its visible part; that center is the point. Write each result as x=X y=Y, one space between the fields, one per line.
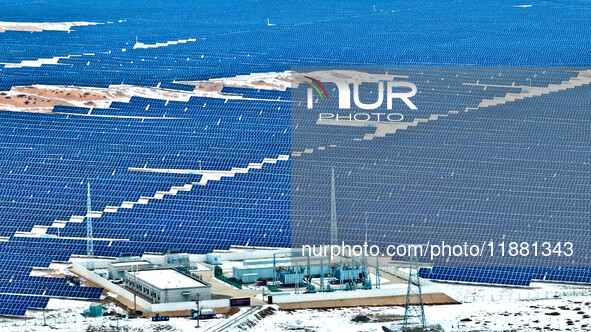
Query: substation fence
x=49 y=321
x=525 y=296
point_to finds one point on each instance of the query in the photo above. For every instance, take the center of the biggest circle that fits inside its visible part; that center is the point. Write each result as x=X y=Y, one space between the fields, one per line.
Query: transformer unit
x=347 y=273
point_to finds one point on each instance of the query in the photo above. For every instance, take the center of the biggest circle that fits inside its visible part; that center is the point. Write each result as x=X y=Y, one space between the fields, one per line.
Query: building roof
x=130 y=263
x=167 y=279
x=259 y=266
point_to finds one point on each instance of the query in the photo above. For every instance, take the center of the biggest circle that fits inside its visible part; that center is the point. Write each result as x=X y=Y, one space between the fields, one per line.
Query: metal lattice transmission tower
x=364 y=263
x=89 y=240
x=414 y=309
x=334 y=233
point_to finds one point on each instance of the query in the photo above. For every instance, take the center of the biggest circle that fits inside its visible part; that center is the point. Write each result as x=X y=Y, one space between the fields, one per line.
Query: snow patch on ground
x=42 y=98
x=270 y=81
x=54 y=270
x=338 y=76
x=65 y=315
x=174 y=42
x=42 y=26
x=37 y=63
x=536 y=290
x=559 y=314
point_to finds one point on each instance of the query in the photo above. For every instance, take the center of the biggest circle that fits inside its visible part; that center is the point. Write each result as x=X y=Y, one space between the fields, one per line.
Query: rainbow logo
x=316 y=87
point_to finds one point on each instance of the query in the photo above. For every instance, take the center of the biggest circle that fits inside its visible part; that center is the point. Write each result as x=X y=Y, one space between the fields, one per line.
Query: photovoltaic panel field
x=114 y=100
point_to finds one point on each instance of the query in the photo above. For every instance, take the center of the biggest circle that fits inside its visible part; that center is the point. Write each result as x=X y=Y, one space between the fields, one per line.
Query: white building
x=117 y=269
x=167 y=285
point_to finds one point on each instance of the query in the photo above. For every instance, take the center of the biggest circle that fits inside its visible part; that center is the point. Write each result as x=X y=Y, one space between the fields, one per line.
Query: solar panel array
x=53 y=156
x=132 y=152
x=17 y=305
x=517 y=171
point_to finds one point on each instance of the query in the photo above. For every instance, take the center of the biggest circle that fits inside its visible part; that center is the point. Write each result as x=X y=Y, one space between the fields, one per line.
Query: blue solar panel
x=258 y=93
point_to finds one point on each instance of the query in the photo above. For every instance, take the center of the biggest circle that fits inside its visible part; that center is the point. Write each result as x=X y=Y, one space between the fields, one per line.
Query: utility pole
x=342 y=275
x=321 y=274
x=275 y=268
x=134 y=292
x=297 y=281
x=309 y=278
x=89 y=241
x=198 y=309
x=377 y=272
x=44 y=324
x=334 y=237
x=364 y=264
